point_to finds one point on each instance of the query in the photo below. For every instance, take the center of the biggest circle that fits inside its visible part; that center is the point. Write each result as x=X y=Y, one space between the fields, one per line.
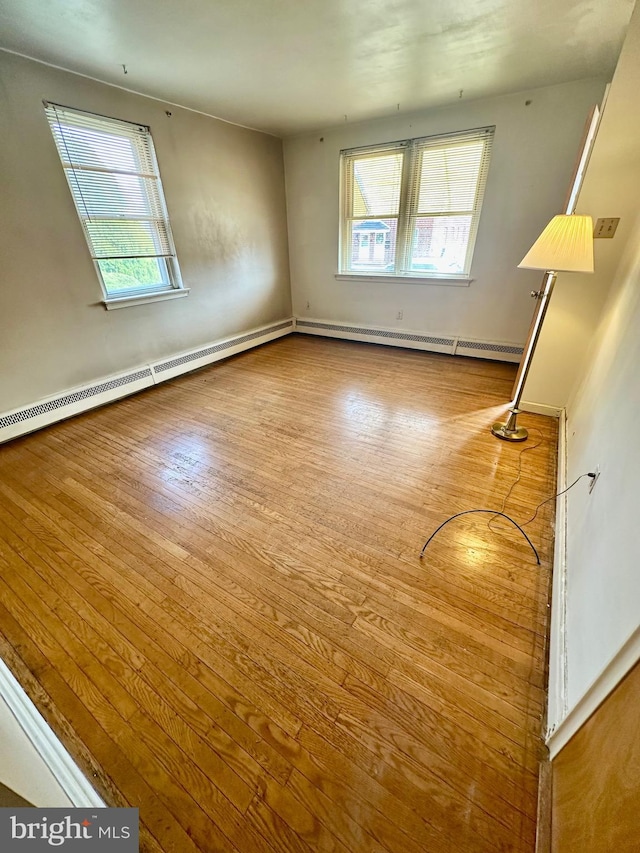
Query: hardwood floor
x=212 y=591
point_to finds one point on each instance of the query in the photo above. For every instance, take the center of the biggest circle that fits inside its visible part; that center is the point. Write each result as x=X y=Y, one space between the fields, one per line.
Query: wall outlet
x=594 y=480
x=399 y=315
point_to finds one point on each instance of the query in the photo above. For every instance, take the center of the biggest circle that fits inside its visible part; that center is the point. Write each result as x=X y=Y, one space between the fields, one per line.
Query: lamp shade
x=565 y=245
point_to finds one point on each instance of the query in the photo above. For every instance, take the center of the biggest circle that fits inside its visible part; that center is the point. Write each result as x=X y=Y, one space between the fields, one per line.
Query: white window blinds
x=412 y=208
x=374 y=181
x=112 y=173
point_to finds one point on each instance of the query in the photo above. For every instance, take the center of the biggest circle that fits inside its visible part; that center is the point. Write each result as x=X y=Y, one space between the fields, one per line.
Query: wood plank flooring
x=212 y=591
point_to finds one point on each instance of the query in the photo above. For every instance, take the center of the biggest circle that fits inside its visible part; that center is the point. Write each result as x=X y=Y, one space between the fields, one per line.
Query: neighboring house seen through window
x=113 y=176
x=412 y=208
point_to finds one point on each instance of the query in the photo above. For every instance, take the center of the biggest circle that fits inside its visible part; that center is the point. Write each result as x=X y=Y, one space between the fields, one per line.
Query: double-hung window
x=112 y=172
x=412 y=208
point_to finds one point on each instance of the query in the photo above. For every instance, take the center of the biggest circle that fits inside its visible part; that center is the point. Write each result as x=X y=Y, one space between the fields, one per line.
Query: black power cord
x=553 y=497
x=496 y=513
x=493 y=512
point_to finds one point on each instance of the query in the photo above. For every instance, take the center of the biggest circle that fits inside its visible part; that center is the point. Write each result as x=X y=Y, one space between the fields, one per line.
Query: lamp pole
x=565 y=245
x=510 y=431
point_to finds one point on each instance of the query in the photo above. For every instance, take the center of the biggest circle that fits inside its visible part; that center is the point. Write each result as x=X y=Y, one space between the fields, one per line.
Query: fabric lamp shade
x=565 y=245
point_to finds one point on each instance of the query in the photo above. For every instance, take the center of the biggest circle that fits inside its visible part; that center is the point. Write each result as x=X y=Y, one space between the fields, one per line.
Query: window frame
x=408 y=196
x=172 y=285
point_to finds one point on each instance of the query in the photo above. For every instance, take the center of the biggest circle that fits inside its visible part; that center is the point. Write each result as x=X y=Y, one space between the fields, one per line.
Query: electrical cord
x=468 y=512
x=517 y=479
x=501 y=513
x=553 y=497
x=519 y=473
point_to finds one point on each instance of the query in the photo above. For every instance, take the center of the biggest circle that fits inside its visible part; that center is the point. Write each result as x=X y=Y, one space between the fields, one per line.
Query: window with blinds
x=412 y=208
x=113 y=176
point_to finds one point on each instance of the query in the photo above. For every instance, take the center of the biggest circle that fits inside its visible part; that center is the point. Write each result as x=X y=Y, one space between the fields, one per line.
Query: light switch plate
x=606 y=227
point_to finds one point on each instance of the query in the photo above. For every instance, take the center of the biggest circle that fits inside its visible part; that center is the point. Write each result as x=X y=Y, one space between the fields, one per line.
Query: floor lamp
x=565 y=245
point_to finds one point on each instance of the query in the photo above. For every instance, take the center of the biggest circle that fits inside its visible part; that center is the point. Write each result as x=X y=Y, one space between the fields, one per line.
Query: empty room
x=319 y=334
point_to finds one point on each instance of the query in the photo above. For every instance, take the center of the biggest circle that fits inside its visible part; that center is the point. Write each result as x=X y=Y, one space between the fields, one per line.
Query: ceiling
x=287 y=66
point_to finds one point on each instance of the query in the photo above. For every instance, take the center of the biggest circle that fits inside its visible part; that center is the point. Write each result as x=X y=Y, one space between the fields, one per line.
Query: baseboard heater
x=450 y=345
x=37 y=415
x=52 y=409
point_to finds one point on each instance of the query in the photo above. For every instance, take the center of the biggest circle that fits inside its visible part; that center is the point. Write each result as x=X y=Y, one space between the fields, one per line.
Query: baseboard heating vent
x=37 y=415
x=73 y=398
x=221 y=347
x=447 y=344
x=507 y=349
x=409 y=339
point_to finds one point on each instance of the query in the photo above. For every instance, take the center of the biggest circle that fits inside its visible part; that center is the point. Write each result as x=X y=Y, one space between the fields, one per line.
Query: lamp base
x=510 y=431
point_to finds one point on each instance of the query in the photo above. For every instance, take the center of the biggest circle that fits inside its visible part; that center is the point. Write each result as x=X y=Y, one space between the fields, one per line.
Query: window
x=113 y=176
x=412 y=208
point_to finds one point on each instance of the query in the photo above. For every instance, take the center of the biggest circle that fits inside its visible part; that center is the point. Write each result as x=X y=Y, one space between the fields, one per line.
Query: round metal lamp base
x=502 y=431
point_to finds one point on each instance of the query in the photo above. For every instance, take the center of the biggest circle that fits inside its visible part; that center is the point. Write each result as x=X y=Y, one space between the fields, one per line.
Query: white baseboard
x=541 y=409
x=557 y=692
x=563 y=722
x=595 y=695
x=411 y=339
x=68 y=403
x=63 y=768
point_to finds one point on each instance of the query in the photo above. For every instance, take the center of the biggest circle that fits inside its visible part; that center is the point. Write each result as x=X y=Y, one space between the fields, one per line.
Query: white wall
x=603 y=545
x=533 y=155
x=603 y=411
x=578 y=300
x=224 y=187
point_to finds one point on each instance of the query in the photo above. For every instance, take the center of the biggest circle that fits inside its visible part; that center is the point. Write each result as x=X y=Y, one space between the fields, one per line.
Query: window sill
x=446 y=280
x=112 y=302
